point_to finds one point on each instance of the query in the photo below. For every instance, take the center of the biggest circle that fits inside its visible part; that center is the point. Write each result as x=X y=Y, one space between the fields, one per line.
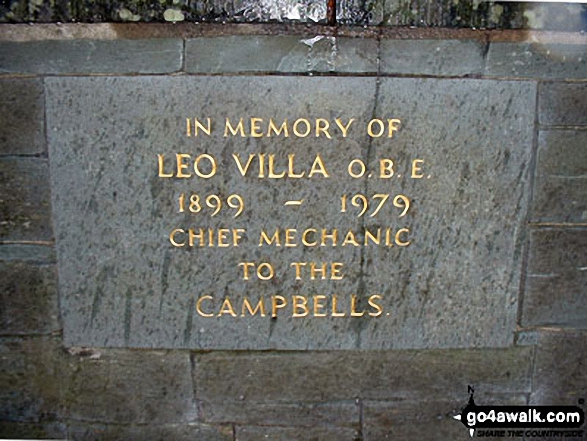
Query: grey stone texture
x=326 y=377
x=17 y=430
x=559 y=376
x=25 y=209
x=139 y=387
x=22 y=112
x=40 y=381
x=28 y=298
x=562 y=104
x=432 y=57
x=556 y=279
x=458 y=284
x=91 y=56
x=246 y=54
x=161 y=432
x=340 y=54
x=254 y=433
x=536 y=60
x=560 y=184
x=281 y=54
x=32 y=380
x=113 y=214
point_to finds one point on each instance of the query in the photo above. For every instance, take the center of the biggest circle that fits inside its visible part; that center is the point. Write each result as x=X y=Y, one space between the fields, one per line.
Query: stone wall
x=49 y=390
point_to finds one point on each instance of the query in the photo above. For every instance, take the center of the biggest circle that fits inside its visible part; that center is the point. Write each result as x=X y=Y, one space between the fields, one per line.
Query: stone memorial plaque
x=289 y=212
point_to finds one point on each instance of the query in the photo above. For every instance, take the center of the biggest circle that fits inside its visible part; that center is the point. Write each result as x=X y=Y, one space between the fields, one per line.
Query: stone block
x=132 y=387
x=33 y=378
x=559 y=375
x=432 y=57
x=140 y=290
x=536 y=60
x=556 y=279
x=25 y=200
x=254 y=53
x=91 y=56
x=342 y=54
x=22 y=112
x=29 y=301
x=375 y=375
x=562 y=104
x=560 y=185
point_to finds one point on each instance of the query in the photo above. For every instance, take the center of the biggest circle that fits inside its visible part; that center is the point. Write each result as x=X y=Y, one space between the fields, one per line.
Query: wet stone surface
x=124 y=283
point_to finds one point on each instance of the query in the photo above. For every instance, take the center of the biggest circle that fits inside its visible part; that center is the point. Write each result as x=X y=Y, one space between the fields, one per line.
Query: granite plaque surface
x=289 y=212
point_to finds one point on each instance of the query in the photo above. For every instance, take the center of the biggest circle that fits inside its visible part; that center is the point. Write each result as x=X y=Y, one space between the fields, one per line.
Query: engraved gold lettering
x=300 y=302
x=246 y=266
x=277 y=302
x=381 y=128
x=318 y=167
x=199 y=306
x=247 y=306
x=255 y=128
x=226 y=308
x=172 y=238
x=239 y=128
x=322 y=126
x=162 y=174
x=416 y=169
x=272 y=174
x=198 y=125
x=274 y=238
x=319 y=306
x=344 y=129
x=297 y=132
x=283 y=128
x=378 y=308
x=335 y=313
x=179 y=157
x=354 y=312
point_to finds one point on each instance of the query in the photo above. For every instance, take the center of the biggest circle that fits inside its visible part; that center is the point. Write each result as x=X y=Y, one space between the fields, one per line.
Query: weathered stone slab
x=246 y=54
x=556 y=280
x=307 y=414
x=28 y=298
x=562 y=104
x=254 y=433
x=430 y=420
x=432 y=57
x=559 y=376
x=457 y=285
x=536 y=60
x=375 y=375
x=560 y=185
x=132 y=387
x=25 y=200
x=160 y=432
x=33 y=379
x=22 y=112
x=123 y=283
x=341 y=54
x=91 y=56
